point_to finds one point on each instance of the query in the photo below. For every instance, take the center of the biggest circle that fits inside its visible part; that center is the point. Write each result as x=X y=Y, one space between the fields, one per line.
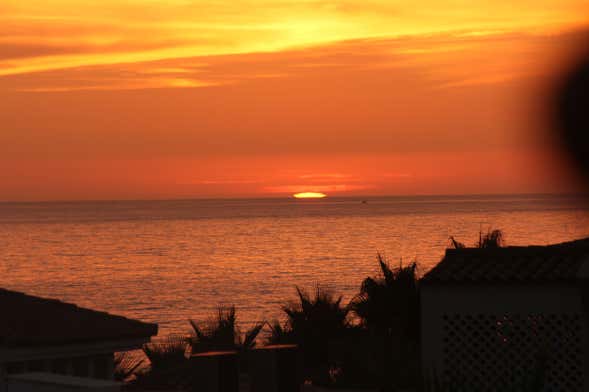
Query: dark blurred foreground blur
x=572 y=113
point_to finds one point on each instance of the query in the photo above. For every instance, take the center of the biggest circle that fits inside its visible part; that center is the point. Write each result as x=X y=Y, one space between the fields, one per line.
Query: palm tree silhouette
x=312 y=322
x=388 y=308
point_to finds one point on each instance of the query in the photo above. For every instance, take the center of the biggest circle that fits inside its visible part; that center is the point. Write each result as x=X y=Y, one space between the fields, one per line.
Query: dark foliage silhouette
x=456 y=244
x=222 y=333
x=312 y=322
x=490 y=239
x=278 y=333
x=168 y=365
x=388 y=309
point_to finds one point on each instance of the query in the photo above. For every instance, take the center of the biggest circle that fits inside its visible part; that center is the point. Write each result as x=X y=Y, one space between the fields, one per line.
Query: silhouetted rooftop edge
x=564 y=262
x=34 y=321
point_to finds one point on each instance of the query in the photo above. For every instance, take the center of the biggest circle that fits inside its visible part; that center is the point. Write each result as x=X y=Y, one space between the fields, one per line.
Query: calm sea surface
x=168 y=261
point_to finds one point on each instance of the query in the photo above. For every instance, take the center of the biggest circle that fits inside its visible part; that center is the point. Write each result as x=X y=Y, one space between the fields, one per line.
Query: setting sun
x=309 y=195
x=173 y=171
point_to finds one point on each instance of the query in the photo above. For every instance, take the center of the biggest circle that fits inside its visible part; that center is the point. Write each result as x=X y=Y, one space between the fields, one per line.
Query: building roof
x=565 y=262
x=27 y=320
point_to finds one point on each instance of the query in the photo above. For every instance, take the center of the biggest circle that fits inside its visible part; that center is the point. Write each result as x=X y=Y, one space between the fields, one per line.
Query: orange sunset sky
x=142 y=99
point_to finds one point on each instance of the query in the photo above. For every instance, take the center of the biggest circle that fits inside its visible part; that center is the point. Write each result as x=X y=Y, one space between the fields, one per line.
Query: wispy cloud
x=136 y=84
x=431 y=58
x=324 y=176
x=235 y=181
x=62 y=34
x=397 y=175
x=325 y=188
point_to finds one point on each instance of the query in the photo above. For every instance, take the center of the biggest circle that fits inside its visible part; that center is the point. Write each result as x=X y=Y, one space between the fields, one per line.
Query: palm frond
x=278 y=333
x=492 y=239
x=126 y=365
x=172 y=348
x=222 y=333
x=249 y=340
x=456 y=244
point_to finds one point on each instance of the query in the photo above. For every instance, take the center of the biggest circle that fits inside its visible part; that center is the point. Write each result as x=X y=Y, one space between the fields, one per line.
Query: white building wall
x=443 y=307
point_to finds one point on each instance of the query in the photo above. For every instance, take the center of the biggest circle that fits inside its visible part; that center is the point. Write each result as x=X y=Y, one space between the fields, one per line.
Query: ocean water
x=168 y=261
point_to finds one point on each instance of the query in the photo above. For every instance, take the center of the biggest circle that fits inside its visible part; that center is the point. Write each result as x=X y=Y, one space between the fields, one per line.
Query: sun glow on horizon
x=309 y=195
x=183 y=99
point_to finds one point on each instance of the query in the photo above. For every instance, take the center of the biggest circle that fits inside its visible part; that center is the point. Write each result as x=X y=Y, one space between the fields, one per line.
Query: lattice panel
x=497 y=352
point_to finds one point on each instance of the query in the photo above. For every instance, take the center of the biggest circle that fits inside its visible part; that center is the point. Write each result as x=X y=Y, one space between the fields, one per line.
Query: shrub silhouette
x=312 y=322
x=222 y=333
x=168 y=364
x=278 y=333
x=388 y=309
x=491 y=239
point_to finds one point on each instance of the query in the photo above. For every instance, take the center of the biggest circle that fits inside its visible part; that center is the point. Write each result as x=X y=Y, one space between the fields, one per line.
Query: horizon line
x=290 y=197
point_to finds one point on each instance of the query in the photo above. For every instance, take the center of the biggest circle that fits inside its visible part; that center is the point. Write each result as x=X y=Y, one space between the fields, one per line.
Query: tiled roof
x=564 y=262
x=26 y=320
